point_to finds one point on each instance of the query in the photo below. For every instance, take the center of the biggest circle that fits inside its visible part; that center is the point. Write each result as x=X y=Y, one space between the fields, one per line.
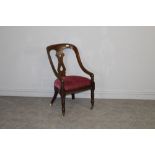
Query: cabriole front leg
x=63 y=95
x=92 y=94
x=63 y=103
x=92 y=98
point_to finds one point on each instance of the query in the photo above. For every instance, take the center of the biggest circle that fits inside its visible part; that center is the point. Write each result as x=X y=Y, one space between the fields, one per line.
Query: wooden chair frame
x=61 y=72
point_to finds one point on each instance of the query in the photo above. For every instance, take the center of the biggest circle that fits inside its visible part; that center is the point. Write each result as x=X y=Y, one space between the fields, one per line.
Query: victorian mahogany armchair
x=69 y=84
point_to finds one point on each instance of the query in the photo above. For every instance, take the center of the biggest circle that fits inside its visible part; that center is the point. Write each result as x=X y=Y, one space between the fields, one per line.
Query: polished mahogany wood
x=60 y=72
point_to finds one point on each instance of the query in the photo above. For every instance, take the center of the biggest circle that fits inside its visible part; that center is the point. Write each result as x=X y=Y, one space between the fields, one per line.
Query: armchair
x=69 y=84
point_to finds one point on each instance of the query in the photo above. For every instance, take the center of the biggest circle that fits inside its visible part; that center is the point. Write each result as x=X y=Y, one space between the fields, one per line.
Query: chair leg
x=55 y=96
x=92 y=98
x=63 y=104
x=73 y=96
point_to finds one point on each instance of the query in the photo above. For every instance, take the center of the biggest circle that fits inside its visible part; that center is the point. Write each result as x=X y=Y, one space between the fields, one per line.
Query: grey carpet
x=34 y=113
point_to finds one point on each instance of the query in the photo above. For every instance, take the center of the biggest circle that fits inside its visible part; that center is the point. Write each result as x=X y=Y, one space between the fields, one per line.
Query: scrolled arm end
x=92 y=76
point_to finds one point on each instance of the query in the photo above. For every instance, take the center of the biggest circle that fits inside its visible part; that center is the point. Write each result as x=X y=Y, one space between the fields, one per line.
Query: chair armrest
x=80 y=62
x=87 y=72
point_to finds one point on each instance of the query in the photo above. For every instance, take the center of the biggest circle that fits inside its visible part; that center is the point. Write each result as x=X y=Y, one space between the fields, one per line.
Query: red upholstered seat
x=73 y=82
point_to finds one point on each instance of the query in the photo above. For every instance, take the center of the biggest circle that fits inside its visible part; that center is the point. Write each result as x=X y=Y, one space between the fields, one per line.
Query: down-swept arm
x=80 y=63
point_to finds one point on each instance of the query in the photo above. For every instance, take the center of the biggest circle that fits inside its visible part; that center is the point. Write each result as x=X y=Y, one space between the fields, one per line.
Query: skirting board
x=106 y=94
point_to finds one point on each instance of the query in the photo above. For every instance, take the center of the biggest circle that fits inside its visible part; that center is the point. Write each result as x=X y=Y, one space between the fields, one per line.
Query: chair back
x=59 y=48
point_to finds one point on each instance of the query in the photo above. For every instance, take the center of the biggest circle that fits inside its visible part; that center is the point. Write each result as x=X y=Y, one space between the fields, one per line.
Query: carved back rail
x=61 y=69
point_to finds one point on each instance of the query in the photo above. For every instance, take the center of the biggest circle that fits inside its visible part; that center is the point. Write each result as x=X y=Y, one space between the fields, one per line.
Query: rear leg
x=73 y=96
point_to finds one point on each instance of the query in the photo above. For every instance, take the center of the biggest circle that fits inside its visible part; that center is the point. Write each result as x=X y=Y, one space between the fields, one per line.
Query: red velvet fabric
x=73 y=83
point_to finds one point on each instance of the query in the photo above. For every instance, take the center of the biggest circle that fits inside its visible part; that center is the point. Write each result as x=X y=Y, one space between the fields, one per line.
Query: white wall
x=122 y=59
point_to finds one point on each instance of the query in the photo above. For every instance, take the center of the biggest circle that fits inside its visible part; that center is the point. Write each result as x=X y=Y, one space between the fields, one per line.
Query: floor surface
x=35 y=113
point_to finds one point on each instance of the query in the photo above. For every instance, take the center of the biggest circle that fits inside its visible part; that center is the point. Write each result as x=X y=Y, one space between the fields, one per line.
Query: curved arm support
x=80 y=63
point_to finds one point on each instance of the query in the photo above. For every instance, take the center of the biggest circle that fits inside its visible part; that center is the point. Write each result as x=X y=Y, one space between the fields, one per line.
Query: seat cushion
x=72 y=83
